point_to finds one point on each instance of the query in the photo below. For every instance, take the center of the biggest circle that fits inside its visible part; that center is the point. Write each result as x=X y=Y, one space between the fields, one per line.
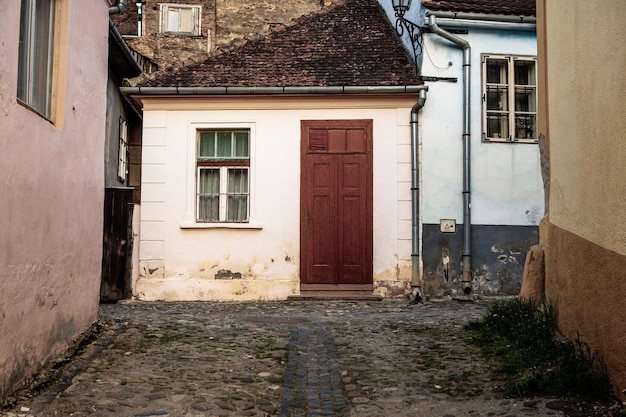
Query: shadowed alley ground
x=292 y=358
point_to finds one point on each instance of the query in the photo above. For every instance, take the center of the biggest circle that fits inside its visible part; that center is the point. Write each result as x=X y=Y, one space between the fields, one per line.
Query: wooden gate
x=117 y=244
x=336 y=206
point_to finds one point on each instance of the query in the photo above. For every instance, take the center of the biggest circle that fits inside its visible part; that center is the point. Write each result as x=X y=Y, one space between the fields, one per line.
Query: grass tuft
x=522 y=337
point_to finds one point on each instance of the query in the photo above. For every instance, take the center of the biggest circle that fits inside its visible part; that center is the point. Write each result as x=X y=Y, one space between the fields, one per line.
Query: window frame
x=122 y=152
x=36 y=66
x=507 y=109
x=223 y=165
x=196 y=19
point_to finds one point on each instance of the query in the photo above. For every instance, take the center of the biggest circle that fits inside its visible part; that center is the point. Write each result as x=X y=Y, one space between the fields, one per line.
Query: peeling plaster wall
x=498 y=256
x=180 y=261
x=506 y=184
x=52 y=196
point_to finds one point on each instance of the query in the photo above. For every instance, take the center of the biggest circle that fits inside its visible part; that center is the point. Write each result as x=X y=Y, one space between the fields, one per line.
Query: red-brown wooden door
x=336 y=205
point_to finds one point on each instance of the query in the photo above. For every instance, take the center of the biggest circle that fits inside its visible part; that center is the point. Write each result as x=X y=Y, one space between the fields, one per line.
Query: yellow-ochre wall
x=582 y=107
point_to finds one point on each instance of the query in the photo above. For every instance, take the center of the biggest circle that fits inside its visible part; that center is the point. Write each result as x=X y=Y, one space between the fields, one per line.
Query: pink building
x=53 y=80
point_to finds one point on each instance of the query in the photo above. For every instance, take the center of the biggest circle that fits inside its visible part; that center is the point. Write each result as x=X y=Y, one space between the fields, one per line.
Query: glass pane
x=497 y=126
x=497 y=71
x=26 y=28
x=526 y=127
x=185 y=20
x=237 y=201
x=497 y=98
x=525 y=72
x=206 y=147
x=237 y=181
x=208 y=194
x=34 y=85
x=237 y=209
x=525 y=99
x=173 y=20
x=224 y=144
x=241 y=145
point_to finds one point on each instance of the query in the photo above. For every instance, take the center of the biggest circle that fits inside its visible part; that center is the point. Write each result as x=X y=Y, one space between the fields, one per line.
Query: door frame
x=367 y=126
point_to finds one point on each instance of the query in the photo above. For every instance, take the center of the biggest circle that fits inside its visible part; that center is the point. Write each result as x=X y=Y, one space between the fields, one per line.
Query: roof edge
x=486 y=17
x=209 y=91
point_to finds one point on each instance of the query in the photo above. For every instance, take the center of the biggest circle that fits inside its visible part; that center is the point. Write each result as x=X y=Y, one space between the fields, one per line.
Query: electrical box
x=447 y=225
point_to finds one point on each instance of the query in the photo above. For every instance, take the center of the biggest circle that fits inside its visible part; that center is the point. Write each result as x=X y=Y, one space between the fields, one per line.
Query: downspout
x=415 y=194
x=121 y=5
x=467 y=223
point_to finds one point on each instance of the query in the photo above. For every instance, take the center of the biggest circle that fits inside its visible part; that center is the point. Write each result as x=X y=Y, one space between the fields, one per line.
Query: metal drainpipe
x=467 y=222
x=415 y=248
x=121 y=5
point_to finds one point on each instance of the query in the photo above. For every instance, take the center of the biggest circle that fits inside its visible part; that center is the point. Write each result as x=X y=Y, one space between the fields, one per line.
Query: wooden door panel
x=322 y=262
x=336 y=201
x=353 y=219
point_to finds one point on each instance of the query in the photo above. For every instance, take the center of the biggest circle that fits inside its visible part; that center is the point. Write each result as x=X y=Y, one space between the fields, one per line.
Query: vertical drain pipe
x=467 y=221
x=415 y=194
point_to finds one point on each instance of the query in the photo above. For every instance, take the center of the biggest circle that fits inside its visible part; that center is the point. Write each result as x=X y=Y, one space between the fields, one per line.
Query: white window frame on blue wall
x=509 y=97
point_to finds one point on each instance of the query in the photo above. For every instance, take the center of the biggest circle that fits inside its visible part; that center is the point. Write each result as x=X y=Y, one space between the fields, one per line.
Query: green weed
x=522 y=338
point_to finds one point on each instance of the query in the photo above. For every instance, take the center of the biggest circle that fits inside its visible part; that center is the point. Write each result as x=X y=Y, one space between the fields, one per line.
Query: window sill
x=252 y=226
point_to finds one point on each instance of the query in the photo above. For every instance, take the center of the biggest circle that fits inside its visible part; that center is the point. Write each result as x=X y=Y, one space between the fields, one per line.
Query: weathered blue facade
x=480 y=198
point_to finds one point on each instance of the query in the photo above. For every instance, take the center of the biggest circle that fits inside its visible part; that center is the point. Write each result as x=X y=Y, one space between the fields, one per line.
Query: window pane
x=173 y=22
x=497 y=126
x=237 y=209
x=241 y=144
x=34 y=84
x=525 y=99
x=497 y=98
x=237 y=180
x=206 y=148
x=526 y=127
x=524 y=72
x=208 y=194
x=224 y=144
x=497 y=71
x=185 y=21
x=237 y=201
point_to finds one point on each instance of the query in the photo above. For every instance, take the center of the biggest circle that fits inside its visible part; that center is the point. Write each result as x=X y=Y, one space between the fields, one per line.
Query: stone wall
x=223 y=23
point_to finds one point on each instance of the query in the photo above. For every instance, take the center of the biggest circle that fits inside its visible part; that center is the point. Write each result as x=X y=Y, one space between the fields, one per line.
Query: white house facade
x=265 y=179
x=183 y=258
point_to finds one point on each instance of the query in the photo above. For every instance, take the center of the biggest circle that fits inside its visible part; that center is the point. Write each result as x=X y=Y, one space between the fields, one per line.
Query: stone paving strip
x=312 y=382
x=286 y=359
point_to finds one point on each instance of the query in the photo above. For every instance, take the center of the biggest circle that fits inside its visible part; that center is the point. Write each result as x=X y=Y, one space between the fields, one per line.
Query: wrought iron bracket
x=415 y=33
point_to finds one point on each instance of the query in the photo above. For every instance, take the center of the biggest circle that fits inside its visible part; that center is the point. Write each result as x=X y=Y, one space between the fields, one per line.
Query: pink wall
x=51 y=196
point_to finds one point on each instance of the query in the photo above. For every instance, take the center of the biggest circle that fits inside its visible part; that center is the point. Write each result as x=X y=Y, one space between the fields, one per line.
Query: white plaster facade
x=178 y=258
x=52 y=193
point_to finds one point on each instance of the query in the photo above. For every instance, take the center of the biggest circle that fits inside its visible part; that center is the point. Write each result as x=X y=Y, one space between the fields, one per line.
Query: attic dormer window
x=180 y=20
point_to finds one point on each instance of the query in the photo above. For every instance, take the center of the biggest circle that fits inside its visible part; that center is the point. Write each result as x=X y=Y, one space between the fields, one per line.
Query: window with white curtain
x=223 y=176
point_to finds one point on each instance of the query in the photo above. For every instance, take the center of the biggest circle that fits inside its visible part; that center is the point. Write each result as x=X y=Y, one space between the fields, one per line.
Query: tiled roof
x=126 y=22
x=353 y=44
x=504 y=7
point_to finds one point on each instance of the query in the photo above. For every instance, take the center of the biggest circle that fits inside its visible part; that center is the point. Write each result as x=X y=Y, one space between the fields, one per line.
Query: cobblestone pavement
x=293 y=358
